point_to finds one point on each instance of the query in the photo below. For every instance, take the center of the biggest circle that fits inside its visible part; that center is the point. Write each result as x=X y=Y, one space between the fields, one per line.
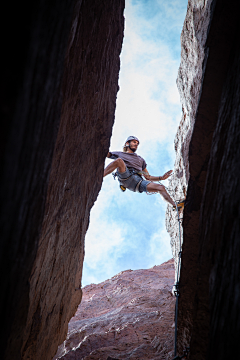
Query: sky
x=127 y=230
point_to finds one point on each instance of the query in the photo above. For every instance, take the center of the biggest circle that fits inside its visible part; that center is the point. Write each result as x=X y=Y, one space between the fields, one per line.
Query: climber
x=130 y=168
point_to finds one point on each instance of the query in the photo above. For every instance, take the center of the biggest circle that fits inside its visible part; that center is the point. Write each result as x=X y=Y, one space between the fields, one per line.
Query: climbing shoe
x=123 y=188
x=180 y=205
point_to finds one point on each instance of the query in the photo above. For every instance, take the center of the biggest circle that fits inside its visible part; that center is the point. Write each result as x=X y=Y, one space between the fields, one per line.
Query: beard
x=131 y=148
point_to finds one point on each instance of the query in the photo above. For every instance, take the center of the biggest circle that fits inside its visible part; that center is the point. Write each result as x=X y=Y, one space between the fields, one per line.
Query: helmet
x=132 y=138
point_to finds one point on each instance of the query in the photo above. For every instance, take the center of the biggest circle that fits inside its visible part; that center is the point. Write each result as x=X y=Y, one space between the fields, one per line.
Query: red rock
x=130 y=316
x=189 y=82
x=60 y=88
x=207 y=166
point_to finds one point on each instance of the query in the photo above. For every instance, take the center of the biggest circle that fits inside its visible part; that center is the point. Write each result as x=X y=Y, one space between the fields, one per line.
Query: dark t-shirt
x=132 y=160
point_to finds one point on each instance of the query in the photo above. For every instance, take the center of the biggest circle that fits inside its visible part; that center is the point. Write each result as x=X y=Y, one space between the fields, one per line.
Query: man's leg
x=153 y=187
x=118 y=163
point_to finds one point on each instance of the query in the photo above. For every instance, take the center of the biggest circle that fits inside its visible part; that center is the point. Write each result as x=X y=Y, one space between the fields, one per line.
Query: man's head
x=131 y=143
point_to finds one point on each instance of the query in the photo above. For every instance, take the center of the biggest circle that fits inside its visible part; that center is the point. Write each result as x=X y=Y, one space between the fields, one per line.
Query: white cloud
x=159 y=248
x=148 y=100
x=128 y=230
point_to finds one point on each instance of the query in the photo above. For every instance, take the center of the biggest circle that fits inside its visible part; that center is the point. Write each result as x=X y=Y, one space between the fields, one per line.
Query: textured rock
x=208 y=318
x=220 y=232
x=31 y=99
x=190 y=77
x=130 y=316
x=189 y=82
x=68 y=93
x=90 y=86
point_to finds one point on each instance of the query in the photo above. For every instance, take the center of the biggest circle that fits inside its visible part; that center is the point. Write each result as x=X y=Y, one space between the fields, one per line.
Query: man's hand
x=166 y=175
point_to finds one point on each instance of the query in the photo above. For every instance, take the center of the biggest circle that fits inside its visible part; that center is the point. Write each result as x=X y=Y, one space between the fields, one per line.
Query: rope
x=176 y=291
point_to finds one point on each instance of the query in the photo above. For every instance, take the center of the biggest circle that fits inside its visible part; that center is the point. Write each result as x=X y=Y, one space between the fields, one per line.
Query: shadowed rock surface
x=58 y=103
x=130 y=316
x=208 y=147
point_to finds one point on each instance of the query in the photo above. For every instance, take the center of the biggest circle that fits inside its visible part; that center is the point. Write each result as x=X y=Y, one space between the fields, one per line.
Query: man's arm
x=156 y=178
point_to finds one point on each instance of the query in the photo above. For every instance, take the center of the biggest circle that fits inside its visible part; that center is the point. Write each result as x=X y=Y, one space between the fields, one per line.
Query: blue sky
x=127 y=230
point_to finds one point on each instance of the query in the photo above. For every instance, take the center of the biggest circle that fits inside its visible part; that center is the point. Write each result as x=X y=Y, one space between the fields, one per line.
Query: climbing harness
x=122 y=187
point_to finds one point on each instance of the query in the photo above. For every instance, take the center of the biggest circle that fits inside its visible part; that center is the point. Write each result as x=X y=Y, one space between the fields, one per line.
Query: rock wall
x=208 y=317
x=189 y=82
x=58 y=107
x=31 y=98
x=219 y=220
x=130 y=316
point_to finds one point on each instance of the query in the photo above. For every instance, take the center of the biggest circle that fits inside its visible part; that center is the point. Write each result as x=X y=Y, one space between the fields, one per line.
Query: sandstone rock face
x=130 y=316
x=61 y=113
x=31 y=99
x=90 y=86
x=210 y=168
x=189 y=82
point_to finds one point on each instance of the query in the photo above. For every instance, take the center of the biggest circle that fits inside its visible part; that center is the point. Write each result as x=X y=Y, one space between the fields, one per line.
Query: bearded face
x=133 y=145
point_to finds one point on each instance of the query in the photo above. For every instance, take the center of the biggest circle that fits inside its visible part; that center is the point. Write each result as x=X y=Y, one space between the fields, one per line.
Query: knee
x=161 y=188
x=120 y=163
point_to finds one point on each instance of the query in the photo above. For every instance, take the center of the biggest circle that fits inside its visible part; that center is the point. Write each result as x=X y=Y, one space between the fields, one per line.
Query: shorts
x=133 y=182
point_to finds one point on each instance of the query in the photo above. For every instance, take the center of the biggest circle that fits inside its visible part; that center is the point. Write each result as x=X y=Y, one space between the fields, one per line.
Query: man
x=130 y=168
